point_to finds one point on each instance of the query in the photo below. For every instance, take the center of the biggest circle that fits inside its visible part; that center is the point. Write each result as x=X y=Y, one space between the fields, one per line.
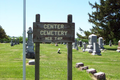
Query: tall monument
x=30 y=46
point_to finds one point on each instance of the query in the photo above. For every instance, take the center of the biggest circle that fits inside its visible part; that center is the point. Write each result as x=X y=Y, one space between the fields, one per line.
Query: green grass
x=53 y=66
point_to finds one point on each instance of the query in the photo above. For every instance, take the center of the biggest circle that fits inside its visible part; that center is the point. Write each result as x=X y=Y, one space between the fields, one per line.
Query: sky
x=11 y=14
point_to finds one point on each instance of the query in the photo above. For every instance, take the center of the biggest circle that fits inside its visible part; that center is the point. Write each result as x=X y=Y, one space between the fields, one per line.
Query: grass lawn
x=53 y=66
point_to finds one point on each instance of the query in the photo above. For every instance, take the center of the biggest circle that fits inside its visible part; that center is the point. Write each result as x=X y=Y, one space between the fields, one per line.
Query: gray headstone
x=80 y=43
x=84 y=46
x=30 y=46
x=100 y=42
x=75 y=45
x=103 y=42
x=92 y=38
x=96 y=50
x=64 y=43
x=15 y=41
x=110 y=43
x=12 y=42
x=18 y=40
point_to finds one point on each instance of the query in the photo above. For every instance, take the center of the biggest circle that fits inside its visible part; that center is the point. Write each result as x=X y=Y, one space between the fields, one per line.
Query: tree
x=2 y=33
x=87 y=33
x=106 y=19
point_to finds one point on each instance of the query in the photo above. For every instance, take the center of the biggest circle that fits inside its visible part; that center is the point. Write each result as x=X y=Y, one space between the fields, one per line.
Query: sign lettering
x=53 y=32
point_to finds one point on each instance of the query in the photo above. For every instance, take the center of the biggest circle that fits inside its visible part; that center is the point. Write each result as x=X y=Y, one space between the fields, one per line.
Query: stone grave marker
x=31 y=62
x=56 y=44
x=30 y=46
x=96 y=50
x=104 y=42
x=12 y=42
x=80 y=43
x=84 y=46
x=75 y=45
x=18 y=40
x=118 y=49
x=92 y=38
x=110 y=43
x=64 y=43
x=15 y=41
x=100 y=42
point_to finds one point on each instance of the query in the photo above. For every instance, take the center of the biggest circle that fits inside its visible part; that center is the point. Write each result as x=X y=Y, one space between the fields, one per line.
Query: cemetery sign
x=53 y=32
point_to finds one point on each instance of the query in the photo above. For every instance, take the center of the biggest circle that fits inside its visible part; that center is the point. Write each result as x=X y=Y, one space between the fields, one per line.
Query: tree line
x=105 y=20
x=4 y=38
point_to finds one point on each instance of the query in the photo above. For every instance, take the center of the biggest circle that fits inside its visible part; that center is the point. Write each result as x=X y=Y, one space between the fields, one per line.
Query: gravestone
x=58 y=51
x=100 y=76
x=12 y=42
x=80 y=43
x=92 y=38
x=118 y=49
x=56 y=44
x=96 y=50
x=18 y=40
x=30 y=46
x=15 y=41
x=110 y=43
x=64 y=43
x=31 y=62
x=104 y=42
x=100 y=42
x=84 y=46
x=75 y=45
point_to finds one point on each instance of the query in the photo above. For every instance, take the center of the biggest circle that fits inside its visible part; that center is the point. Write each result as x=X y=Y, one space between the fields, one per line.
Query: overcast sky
x=11 y=13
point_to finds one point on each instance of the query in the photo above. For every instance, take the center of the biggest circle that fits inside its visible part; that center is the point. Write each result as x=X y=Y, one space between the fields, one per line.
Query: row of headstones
x=98 y=76
x=118 y=49
x=14 y=42
x=93 y=47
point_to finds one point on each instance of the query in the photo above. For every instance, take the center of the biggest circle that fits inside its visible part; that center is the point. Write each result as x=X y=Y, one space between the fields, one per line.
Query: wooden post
x=69 y=52
x=37 y=52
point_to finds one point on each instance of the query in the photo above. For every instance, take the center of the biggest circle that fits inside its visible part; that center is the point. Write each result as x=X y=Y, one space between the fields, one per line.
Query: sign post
x=37 y=53
x=69 y=52
x=53 y=32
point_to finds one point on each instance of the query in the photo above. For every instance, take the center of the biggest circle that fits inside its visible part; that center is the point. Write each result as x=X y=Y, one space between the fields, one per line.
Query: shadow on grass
x=113 y=49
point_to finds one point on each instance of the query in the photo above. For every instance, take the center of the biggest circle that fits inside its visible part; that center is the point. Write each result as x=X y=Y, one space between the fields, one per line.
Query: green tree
x=106 y=19
x=2 y=33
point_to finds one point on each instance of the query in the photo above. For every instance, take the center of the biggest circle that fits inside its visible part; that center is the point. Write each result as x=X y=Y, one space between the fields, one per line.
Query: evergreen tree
x=106 y=19
x=2 y=33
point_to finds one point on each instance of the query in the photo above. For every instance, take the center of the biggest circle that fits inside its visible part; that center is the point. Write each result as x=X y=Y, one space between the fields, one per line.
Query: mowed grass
x=53 y=66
